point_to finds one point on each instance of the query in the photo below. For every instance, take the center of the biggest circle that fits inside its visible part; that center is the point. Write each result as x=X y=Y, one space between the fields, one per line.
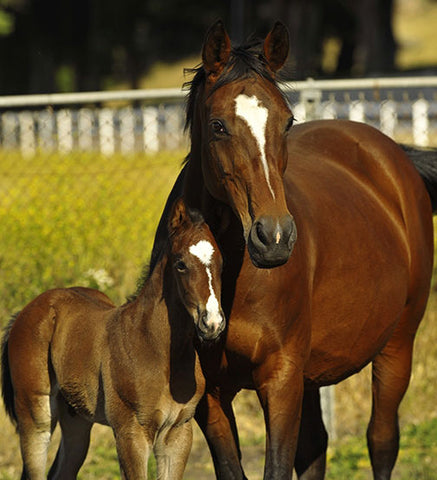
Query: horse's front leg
x=279 y=384
x=216 y=419
x=310 y=462
x=172 y=450
x=133 y=450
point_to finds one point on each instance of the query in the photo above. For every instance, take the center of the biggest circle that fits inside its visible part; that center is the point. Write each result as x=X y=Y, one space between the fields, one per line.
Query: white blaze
x=203 y=250
x=255 y=115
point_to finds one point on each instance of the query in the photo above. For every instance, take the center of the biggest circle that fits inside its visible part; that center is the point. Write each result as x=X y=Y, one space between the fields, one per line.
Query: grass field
x=90 y=220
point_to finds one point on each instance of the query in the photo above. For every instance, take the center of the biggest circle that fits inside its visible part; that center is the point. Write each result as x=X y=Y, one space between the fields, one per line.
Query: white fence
x=152 y=120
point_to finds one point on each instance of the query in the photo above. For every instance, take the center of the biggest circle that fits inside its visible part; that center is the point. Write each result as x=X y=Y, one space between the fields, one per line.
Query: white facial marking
x=203 y=250
x=278 y=237
x=255 y=115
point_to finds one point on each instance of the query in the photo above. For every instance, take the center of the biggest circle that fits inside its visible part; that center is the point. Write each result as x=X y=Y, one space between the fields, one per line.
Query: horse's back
x=56 y=340
x=365 y=218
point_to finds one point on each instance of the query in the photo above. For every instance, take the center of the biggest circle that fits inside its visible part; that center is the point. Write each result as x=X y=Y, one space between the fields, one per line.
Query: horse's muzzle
x=271 y=241
x=209 y=326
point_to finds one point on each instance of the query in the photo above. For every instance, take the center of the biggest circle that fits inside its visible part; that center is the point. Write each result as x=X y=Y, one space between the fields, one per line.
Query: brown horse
x=326 y=234
x=71 y=356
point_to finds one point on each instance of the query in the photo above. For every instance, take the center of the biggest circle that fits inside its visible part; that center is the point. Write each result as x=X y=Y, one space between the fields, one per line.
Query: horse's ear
x=216 y=49
x=276 y=46
x=178 y=216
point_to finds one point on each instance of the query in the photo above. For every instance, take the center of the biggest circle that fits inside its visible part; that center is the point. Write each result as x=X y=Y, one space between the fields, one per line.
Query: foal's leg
x=172 y=451
x=310 y=462
x=35 y=427
x=390 y=378
x=216 y=419
x=133 y=449
x=74 y=444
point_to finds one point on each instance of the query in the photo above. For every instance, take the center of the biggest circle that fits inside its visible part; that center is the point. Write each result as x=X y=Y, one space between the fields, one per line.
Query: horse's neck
x=157 y=313
x=194 y=196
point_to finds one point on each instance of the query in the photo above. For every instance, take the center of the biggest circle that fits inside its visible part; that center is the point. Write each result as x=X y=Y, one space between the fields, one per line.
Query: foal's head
x=197 y=265
x=239 y=121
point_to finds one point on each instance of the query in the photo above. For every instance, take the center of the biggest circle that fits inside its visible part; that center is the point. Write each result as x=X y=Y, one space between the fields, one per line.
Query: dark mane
x=245 y=61
x=196 y=218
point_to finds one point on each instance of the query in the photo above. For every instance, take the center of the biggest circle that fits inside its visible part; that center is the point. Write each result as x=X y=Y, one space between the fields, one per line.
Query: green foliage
x=417 y=456
x=84 y=219
x=6 y=22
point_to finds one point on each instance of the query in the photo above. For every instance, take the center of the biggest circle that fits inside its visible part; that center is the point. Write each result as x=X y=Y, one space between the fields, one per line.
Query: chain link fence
x=84 y=177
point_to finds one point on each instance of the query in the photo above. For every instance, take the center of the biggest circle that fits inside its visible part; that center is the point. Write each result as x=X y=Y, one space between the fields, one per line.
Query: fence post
x=64 y=121
x=46 y=130
x=356 y=111
x=388 y=117
x=85 y=128
x=9 y=130
x=328 y=108
x=310 y=98
x=327 y=404
x=127 y=130
x=106 y=131
x=420 y=122
x=27 y=133
x=151 y=129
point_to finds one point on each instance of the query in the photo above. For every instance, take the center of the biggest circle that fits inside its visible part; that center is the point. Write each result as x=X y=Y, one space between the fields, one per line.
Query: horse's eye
x=289 y=123
x=218 y=127
x=180 y=266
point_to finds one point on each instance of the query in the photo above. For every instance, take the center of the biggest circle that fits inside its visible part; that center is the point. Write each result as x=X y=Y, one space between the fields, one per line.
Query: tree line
x=80 y=45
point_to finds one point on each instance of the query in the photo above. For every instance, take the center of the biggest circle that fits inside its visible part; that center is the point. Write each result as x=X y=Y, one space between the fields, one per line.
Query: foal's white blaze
x=203 y=250
x=255 y=115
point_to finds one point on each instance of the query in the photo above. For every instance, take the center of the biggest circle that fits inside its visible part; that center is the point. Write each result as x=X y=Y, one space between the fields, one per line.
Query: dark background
x=80 y=45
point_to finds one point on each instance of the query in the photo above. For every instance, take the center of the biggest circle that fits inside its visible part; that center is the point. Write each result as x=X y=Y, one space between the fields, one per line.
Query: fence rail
x=152 y=120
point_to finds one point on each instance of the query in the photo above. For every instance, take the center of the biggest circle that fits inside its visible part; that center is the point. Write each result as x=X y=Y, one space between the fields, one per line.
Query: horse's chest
x=171 y=414
x=170 y=400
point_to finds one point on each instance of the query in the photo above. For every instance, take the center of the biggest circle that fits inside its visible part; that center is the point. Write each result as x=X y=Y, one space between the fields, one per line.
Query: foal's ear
x=178 y=216
x=276 y=46
x=216 y=49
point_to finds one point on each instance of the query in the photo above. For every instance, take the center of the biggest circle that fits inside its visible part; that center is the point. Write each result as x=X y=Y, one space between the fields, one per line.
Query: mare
x=327 y=240
x=71 y=356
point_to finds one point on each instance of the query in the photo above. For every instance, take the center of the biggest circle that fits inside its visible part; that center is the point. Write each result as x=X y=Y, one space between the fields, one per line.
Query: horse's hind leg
x=390 y=377
x=74 y=444
x=310 y=461
x=35 y=428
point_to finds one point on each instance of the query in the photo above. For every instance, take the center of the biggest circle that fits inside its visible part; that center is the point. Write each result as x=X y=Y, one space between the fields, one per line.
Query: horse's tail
x=7 y=387
x=425 y=161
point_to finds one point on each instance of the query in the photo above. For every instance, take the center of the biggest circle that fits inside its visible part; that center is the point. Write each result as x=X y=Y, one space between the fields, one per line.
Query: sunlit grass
x=63 y=217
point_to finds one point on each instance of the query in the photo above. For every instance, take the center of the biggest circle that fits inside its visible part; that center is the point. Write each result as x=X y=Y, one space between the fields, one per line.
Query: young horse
x=361 y=246
x=71 y=356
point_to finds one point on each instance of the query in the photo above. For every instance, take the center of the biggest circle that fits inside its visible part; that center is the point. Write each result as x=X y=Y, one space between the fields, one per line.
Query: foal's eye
x=218 y=128
x=289 y=123
x=180 y=266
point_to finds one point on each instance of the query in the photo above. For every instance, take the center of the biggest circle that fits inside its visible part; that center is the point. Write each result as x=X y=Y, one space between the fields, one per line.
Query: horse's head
x=241 y=119
x=197 y=264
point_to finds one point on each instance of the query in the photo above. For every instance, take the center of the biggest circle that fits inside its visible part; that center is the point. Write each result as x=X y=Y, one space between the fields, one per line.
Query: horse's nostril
x=203 y=320
x=261 y=234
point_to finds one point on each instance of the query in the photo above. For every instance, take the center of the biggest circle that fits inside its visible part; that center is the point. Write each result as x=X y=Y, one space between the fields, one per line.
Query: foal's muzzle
x=209 y=325
x=271 y=240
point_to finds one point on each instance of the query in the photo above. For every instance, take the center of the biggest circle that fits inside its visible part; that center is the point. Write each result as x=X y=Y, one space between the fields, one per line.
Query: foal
x=71 y=356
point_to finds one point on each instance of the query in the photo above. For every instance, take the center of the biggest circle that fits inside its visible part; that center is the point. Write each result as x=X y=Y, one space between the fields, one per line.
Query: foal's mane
x=245 y=61
x=197 y=219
